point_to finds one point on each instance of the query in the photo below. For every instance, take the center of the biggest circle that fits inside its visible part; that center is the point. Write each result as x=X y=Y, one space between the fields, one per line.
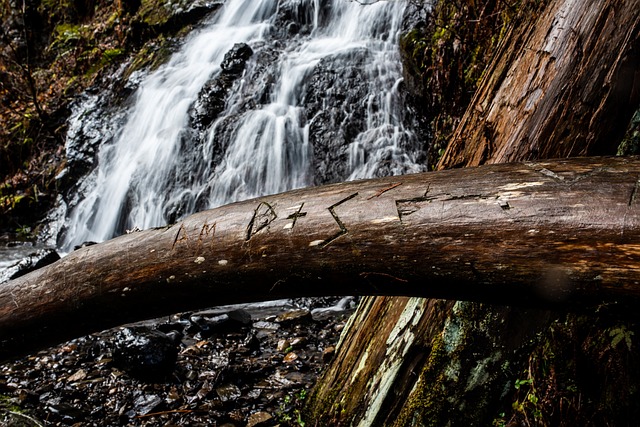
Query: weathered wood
x=566 y=86
x=562 y=232
x=563 y=83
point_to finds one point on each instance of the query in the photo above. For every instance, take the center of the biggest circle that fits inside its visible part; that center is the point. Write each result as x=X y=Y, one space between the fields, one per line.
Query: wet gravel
x=250 y=365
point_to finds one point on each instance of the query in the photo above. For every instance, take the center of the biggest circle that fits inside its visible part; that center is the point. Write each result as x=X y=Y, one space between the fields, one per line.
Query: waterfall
x=316 y=101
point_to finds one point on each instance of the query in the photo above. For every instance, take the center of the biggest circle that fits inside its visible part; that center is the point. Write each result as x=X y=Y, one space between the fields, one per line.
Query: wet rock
x=266 y=325
x=235 y=60
x=211 y=102
x=224 y=323
x=79 y=375
x=283 y=344
x=294 y=316
x=251 y=343
x=146 y=403
x=332 y=98
x=259 y=419
x=212 y=97
x=240 y=316
x=228 y=392
x=290 y=357
x=144 y=353
x=36 y=260
x=300 y=15
x=215 y=381
x=345 y=305
x=66 y=412
x=93 y=121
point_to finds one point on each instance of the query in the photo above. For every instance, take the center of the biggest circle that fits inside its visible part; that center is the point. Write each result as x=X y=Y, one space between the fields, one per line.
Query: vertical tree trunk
x=564 y=84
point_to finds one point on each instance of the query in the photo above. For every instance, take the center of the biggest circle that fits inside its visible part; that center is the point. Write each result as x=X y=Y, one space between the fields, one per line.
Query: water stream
x=317 y=101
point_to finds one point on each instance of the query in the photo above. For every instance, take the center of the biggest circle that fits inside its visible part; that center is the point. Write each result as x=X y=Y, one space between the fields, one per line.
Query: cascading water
x=314 y=99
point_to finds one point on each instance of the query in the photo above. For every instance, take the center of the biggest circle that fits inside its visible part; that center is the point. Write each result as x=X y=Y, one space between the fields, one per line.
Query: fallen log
x=563 y=232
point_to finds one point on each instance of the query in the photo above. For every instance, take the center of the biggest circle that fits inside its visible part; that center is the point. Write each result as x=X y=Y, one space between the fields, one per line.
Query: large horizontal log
x=562 y=232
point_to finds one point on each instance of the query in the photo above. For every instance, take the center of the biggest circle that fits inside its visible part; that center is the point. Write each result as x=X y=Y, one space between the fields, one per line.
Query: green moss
x=105 y=58
x=153 y=12
x=425 y=403
x=578 y=373
x=630 y=144
x=68 y=36
x=151 y=55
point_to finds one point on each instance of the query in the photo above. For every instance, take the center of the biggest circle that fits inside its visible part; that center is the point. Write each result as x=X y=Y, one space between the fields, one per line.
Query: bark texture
x=566 y=86
x=566 y=83
x=517 y=234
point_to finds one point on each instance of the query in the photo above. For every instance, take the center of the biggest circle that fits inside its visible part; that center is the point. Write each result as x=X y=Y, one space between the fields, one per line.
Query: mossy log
x=547 y=233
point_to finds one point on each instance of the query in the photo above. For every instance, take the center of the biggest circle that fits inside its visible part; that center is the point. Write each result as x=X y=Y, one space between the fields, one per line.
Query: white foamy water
x=267 y=148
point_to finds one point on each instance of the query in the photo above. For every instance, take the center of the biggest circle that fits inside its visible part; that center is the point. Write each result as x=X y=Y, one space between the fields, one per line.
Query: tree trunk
x=564 y=84
x=419 y=235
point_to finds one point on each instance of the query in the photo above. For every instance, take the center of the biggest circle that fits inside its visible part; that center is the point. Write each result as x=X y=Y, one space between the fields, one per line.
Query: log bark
x=518 y=234
x=564 y=83
x=566 y=86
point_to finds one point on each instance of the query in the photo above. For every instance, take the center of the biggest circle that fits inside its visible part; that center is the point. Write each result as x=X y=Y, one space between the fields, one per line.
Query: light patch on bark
x=400 y=340
x=362 y=364
x=452 y=333
x=519 y=185
x=385 y=220
x=452 y=372
x=479 y=375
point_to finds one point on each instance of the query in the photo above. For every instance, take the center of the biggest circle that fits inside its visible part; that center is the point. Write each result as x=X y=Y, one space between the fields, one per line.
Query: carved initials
x=181 y=236
x=406 y=207
x=294 y=216
x=205 y=231
x=343 y=230
x=262 y=217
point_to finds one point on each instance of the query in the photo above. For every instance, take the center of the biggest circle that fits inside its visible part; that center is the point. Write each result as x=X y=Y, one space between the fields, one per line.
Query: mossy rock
x=171 y=14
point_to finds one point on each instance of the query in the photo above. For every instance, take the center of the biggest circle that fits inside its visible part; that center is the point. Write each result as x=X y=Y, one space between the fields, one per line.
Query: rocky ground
x=250 y=365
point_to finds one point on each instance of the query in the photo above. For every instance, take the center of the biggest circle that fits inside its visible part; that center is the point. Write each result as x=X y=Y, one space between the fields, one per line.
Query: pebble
x=290 y=357
x=294 y=316
x=283 y=345
x=228 y=392
x=144 y=352
x=259 y=419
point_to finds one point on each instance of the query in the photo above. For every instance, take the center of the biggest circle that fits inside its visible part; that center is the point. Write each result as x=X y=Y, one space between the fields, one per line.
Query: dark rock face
x=144 y=353
x=36 y=260
x=235 y=60
x=211 y=101
x=334 y=96
x=212 y=98
x=297 y=18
